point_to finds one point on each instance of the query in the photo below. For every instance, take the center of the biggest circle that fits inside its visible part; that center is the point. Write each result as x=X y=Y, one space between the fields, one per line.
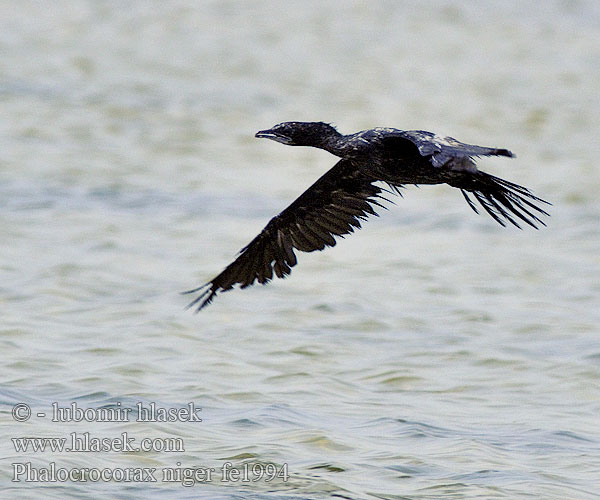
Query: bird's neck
x=334 y=143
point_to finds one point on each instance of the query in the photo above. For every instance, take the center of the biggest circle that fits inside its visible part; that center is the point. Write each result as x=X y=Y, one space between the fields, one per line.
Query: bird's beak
x=274 y=136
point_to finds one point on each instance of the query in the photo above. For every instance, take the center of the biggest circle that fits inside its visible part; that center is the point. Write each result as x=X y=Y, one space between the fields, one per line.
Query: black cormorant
x=338 y=200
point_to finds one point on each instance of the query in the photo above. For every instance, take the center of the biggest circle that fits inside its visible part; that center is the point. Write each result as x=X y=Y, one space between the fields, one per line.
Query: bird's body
x=338 y=200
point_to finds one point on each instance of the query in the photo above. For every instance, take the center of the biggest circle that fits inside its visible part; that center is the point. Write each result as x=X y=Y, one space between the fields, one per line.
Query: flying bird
x=348 y=193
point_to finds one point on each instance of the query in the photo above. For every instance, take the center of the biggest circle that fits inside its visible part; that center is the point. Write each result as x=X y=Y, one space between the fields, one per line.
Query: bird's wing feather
x=332 y=206
x=505 y=201
x=442 y=149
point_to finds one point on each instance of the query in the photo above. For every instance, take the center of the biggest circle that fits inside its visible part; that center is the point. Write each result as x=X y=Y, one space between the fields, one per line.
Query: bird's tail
x=503 y=200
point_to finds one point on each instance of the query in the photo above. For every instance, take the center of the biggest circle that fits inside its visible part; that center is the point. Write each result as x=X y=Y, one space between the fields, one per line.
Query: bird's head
x=300 y=133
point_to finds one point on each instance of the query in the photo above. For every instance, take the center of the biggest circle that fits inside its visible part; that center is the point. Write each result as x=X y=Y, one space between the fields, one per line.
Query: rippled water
x=433 y=354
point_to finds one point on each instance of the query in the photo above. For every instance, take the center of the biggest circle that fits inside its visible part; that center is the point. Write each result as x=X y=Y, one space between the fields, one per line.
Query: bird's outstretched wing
x=332 y=206
x=505 y=201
